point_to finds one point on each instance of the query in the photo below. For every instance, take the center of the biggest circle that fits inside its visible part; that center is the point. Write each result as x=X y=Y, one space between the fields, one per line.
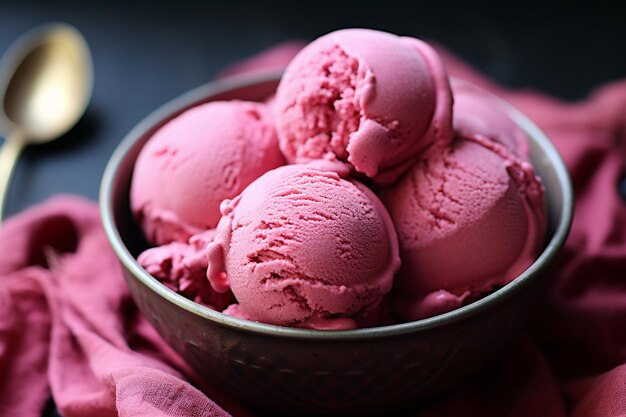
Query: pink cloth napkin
x=69 y=329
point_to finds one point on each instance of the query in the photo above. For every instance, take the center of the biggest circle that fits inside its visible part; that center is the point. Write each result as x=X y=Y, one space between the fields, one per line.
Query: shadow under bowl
x=300 y=371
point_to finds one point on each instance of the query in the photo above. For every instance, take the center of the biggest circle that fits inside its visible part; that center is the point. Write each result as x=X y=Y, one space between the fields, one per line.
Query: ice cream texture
x=470 y=217
x=304 y=247
x=479 y=117
x=368 y=98
x=396 y=198
x=206 y=154
x=181 y=266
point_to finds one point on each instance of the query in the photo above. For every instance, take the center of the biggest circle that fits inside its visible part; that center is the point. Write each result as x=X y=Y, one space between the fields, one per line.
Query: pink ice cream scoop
x=363 y=97
x=469 y=219
x=304 y=247
x=477 y=116
x=192 y=163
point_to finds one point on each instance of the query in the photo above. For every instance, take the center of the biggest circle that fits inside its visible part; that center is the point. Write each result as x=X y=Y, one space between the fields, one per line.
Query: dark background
x=147 y=52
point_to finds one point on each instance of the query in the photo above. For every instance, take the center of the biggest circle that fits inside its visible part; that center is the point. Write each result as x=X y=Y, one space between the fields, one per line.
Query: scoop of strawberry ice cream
x=304 y=247
x=479 y=117
x=367 y=98
x=469 y=218
x=206 y=154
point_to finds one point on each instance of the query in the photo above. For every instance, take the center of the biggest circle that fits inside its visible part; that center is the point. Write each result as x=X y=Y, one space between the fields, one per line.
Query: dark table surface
x=147 y=52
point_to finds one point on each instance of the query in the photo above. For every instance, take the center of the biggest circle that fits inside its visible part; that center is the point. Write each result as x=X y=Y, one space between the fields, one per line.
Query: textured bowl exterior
x=300 y=371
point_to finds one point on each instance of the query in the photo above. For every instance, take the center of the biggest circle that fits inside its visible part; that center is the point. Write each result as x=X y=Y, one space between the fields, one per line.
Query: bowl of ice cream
x=300 y=369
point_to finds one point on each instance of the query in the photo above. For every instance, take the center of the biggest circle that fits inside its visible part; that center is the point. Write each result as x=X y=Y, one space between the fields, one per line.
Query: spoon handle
x=9 y=153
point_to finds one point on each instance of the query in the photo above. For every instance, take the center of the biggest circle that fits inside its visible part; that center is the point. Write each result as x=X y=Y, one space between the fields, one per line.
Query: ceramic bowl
x=299 y=371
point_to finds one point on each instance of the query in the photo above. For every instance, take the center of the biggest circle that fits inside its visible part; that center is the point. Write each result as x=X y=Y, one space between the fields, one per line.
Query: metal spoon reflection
x=45 y=86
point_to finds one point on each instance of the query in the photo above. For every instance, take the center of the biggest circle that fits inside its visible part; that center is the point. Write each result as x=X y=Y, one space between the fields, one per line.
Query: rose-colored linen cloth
x=68 y=328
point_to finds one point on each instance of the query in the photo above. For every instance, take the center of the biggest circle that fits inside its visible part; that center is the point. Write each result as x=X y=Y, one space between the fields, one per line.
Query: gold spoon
x=46 y=84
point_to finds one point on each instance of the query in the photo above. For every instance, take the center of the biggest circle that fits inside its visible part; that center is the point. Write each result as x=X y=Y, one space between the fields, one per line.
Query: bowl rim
x=226 y=84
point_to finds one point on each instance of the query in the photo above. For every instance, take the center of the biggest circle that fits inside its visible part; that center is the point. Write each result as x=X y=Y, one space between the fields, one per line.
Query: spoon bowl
x=46 y=85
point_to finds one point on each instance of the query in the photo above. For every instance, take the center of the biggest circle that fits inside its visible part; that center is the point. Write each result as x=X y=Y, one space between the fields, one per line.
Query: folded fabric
x=68 y=325
x=69 y=329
